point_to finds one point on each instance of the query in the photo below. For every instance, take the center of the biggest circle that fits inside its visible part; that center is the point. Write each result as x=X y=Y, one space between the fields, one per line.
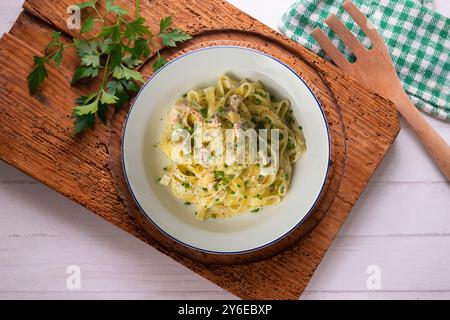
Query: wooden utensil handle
x=435 y=144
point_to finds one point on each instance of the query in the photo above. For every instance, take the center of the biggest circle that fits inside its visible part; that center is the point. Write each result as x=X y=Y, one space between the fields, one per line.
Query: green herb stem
x=99 y=15
x=137 y=9
x=92 y=51
x=105 y=73
x=69 y=45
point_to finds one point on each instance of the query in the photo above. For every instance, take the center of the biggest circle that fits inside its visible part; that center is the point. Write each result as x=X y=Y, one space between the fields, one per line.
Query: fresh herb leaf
x=58 y=56
x=84 y=72
x=101 y=112
x=38 y=75
x=86 y=109
x=115 y=51
x=104 y=45
x=91 y=61
x=112 y=32
x=86 y=48
x=137 y=29
x=130 y=61
x=159 y=63
x=164 y=24
x=171 y=38
x=110 y=7
x=130 y=85
x=82 y=123
x=55 y=42
x=122 y=72
x=117 y=89
x=108 y=98
x=88 y=4
x=141 y=48
x=88 y=25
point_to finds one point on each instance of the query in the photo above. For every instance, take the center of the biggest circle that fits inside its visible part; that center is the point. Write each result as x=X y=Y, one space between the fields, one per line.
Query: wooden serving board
x=35 y=134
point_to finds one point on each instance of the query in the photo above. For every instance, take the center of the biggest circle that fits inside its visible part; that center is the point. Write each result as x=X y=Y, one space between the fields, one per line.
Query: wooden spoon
x=374 y=68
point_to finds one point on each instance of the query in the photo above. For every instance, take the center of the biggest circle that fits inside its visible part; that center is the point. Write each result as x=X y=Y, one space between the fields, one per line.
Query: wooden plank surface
x=370 y=124
x=27 y=184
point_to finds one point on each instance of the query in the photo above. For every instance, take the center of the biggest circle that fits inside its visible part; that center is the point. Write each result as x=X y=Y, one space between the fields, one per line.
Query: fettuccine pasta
x=222 y=189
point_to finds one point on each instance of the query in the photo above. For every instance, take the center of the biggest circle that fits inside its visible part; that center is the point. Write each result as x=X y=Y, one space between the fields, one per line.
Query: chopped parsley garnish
x=290 y=120
x=186 y=185
x=204 y=112
x=226 y=180
x=291 y=146
x=219 y=174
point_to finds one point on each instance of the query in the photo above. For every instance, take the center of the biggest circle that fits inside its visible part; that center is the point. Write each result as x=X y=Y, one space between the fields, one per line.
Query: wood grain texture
x=34 y=141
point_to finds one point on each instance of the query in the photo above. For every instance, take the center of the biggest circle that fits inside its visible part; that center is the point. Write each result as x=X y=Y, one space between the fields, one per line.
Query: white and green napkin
x=417 y=37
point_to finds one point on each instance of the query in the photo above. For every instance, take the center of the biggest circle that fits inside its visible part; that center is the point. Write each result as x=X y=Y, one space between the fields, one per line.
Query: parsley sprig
x=112 y=55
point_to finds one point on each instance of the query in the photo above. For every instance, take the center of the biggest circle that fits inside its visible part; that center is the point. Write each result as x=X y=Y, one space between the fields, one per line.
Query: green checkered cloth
x=417 y=37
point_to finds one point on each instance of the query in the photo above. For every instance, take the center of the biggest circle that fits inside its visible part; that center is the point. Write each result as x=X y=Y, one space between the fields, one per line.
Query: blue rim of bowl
x=220 y=253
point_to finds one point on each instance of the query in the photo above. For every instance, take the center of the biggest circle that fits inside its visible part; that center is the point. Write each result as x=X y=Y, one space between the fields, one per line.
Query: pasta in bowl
x=219 y=94
x=221 y=188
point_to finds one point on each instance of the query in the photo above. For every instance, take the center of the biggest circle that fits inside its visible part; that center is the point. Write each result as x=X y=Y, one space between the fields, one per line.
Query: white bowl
x=143 y=163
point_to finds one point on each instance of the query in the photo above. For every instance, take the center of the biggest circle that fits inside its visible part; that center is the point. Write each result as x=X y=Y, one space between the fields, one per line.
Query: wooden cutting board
x=35 y=133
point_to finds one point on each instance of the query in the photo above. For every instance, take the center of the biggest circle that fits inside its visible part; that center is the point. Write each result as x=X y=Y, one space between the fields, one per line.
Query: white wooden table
x=401 y=224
